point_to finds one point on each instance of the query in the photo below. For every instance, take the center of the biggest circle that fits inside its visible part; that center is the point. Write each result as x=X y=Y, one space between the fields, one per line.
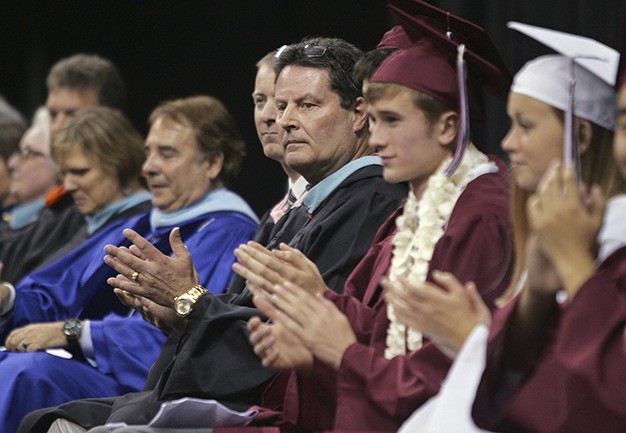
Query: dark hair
x=369 y=62
x=339 y=60
x=108 y=137
x=214 y=127
x=90 y=72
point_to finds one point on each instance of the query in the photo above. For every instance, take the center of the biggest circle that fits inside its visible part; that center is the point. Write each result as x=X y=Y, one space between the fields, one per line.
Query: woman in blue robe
x=186 y=172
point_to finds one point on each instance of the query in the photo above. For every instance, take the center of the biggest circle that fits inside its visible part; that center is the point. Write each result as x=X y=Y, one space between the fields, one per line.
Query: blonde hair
x=106 y=136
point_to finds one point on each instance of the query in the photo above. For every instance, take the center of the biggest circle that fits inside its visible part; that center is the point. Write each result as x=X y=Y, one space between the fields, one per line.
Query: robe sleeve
x=212 y=249
x=580 y=376
x=126 y=348
x=216 y=339
x=362 y=293
x=68 y=286
x=362 y=317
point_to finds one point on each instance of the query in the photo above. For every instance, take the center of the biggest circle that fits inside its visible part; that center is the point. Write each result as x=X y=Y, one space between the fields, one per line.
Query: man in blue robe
x=192 y=151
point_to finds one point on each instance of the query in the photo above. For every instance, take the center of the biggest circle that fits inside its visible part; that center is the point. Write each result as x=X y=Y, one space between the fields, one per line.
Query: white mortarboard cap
x=598 y=58
x=547 y=78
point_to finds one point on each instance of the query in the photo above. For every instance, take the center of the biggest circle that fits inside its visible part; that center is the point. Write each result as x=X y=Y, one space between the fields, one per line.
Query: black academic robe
x=213 y=358
x=262 y=236
x=26 y=249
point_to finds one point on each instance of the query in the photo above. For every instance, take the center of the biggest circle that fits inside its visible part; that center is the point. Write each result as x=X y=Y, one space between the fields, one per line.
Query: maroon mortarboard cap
x=395 y=38
x=420 y=19
x=429 y=66
x=421 y=67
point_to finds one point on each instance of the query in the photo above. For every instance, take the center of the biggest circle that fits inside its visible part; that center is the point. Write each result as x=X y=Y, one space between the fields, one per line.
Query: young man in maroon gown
x=353 y=378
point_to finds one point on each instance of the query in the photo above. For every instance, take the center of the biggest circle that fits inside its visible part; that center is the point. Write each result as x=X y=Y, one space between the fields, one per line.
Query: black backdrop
x=177 y=48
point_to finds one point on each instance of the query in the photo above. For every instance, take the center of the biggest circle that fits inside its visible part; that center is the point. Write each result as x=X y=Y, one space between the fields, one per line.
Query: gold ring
x=134 y=277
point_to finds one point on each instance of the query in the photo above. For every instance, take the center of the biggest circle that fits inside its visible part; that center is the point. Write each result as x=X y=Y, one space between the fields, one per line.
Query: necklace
x=420 y=227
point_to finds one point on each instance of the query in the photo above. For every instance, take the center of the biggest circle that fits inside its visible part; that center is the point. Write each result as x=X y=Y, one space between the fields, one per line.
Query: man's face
x=63 y=102
x=5 y=182
x=619 y=140
x=319 y=135
x=270 y=135
x=177 y=173
x=33 y=172
x=403 y=137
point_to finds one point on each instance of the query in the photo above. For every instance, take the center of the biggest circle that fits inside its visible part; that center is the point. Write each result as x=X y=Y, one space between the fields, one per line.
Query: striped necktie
x=283 y=206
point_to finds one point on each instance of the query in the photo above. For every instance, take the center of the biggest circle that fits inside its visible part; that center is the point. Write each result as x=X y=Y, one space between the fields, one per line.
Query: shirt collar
x=218 y=200
x=26 y=213
x=94 y=222
x=298 y=187
x=318 y=193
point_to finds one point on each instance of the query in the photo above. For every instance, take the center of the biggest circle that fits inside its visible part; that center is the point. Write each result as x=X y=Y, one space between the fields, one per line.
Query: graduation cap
x=395 y=38
x=451 y=60
x=579 y=80
x=422 y=20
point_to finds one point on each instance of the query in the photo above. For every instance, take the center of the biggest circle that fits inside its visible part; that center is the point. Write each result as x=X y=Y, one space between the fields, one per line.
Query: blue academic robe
x=124 y=347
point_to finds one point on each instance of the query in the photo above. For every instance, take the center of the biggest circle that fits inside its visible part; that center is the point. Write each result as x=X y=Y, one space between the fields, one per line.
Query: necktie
x=283 y=206
x=291 y=199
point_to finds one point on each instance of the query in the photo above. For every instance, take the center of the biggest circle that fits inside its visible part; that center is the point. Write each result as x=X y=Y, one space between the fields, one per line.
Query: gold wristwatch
x=183 y=304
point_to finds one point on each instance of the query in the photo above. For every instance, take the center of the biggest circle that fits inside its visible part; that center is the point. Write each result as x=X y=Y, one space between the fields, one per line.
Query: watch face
x=72 y=328
x=183 y=307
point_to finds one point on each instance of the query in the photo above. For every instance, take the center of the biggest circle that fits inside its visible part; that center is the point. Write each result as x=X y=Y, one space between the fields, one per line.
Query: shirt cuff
x=86 y=343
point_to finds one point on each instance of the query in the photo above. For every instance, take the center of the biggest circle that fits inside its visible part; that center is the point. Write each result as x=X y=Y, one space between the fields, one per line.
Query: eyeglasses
x=319 y=50
x=26 y=153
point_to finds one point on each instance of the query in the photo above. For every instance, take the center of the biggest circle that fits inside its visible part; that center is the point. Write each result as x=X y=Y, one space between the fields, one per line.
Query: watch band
x=72 y=329
x=183 y=304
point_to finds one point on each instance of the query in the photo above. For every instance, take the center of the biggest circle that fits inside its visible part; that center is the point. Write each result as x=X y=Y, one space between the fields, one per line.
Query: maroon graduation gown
x=370 y=392
x=578 y=382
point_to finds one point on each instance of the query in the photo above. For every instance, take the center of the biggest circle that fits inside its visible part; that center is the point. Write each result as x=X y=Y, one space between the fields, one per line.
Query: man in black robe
x=323 y=115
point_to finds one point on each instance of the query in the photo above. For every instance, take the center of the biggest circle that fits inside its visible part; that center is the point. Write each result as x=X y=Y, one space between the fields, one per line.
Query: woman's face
x=534 y=139
x=91 y=185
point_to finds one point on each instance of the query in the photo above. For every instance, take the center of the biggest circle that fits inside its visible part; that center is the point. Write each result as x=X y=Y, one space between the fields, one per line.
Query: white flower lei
x=420 y=227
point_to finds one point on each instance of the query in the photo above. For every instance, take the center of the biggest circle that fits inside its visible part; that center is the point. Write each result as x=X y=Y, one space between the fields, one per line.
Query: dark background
x=168 y=49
